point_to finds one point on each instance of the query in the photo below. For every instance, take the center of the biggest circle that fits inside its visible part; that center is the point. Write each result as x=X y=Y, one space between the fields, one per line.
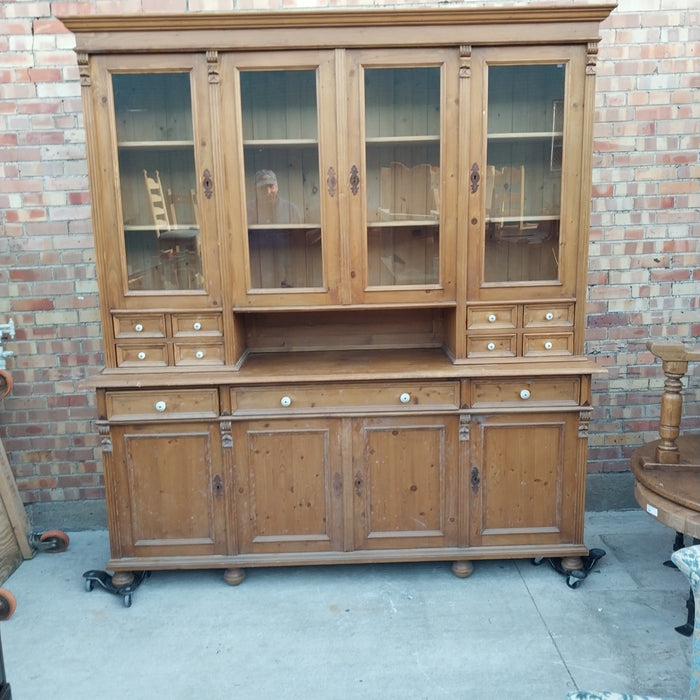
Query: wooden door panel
x=526 y=468
x=169 y=489
x=288 y=486
x=405 y=482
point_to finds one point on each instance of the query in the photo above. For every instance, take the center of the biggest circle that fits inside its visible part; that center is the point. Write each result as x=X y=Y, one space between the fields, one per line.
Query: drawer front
x=375 y=396
x=142 y=355
x=491 y=346
x=162 y=404
x=543 y=344
x=139 y=325
x=199 y=354
x=496 y=392
x=197 y=325
x=492 y=317
x=548 y=315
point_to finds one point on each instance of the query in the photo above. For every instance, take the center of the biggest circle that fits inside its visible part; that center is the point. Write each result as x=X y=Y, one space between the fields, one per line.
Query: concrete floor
x=399 y=631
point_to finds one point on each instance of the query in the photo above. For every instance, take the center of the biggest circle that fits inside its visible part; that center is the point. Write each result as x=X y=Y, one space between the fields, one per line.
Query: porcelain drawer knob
x=405 y=397
x=491 y=346
x=492 y=318
x=525 y=394
x=138 y=327
x=197 y=326
x=286 y=401
x=549 y=315
x=160 y=406
x=199 y=354
x=141 y=355
x=548 y=345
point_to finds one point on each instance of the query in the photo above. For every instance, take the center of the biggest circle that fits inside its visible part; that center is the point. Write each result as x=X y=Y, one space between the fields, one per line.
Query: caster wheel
x=127 y=600
x=89 y=585
x=8 y=604
x=57 y=538
x=573 y=580
x=537 y=561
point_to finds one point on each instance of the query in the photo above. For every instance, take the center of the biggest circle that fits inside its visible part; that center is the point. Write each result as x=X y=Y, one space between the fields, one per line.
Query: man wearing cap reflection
x=268 y=207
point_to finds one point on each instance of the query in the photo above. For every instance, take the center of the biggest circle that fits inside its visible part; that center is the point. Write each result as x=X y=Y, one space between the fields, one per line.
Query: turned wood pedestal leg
x=234 y=576
x=462 y=568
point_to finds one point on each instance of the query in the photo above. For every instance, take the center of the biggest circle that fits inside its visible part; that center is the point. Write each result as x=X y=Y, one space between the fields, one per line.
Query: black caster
x=105 y=580
x=574 y=577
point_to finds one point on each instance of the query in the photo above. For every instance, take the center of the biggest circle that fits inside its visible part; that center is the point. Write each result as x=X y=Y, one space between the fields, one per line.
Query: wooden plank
x=13 y=507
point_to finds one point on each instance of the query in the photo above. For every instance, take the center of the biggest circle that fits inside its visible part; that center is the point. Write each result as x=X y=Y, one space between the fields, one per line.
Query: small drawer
x=381 y=397
x=491 y=346
x=548 y=315
x=199 y=354
x=197 y=325
x=544 y=344
x=492 y=317
x=497 y=393
x=139 y=325
x=142 y=355
x=162 y=404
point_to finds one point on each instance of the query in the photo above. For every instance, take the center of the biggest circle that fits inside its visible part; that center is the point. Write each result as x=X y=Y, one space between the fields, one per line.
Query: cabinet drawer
x=199 y=354
x=497 y=392
x=162 y=404
x=142 y=355
x=492 y=317
x=542 y=344
x=197 y=324
x=139 y=325
x=491 y=346
x=548 y=315
x=368 y=397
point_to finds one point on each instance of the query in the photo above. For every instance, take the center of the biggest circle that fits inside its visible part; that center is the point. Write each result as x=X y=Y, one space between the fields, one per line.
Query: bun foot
x=462 y=568
x=234 y=576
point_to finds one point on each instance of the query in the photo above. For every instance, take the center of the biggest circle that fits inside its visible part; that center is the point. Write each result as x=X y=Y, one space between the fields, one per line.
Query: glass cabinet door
x=155 y=133
x=531 y=108
x=403 y=120
x=285 y=175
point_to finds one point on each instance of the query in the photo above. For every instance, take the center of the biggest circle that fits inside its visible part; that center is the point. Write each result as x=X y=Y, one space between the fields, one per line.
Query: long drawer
x=408 y=396
x=162 y=404
x=508 y=393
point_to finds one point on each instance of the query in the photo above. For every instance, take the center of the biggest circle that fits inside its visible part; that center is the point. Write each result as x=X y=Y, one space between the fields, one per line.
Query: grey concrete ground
x=408 y=631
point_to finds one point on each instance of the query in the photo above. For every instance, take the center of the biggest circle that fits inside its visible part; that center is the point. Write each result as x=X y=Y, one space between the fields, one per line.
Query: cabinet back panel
x=406 y=328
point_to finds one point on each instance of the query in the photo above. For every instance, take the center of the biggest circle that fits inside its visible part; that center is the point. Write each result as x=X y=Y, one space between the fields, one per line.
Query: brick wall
x=644 y=277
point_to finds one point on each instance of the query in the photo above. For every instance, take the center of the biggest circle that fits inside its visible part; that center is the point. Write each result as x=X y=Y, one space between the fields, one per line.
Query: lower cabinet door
x=405 y=482
x=288 y=485
x=167 y=481
x=526 y=480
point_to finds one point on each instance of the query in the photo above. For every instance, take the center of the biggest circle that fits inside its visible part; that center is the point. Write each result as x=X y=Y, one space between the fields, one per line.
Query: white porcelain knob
x=197 y=326
x=141 y=355
x=160 y=406
x=549 y=315
x=547 y=346
x=525 y=394
x=491 y=346
x=405 y=397
x=286 y=401
x=492 y=318
x=199 y=354
x=138 y=327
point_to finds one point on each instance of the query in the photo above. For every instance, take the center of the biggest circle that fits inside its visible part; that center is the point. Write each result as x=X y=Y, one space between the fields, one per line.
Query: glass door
x=155 y=120
x=532 y=113
x=400 y=175
x=286 y=177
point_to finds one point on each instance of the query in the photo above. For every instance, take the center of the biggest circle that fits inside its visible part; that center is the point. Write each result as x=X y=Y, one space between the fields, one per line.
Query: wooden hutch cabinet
x=342 y=267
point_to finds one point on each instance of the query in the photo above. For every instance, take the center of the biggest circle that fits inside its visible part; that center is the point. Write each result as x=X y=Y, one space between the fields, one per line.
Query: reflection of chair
x=409 y=193
x=162 y=204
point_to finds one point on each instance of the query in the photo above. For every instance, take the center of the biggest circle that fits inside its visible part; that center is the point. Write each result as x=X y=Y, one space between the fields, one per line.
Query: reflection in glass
x=523 y=177
x=153 y=116
x=280 y=148
x=402 y=135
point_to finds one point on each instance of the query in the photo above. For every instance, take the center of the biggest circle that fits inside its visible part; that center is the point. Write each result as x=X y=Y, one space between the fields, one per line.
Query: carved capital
x=105 y=437
x=464 y=428
x=591 y=57
x=226 y=437
x=583 y=423
x=213 y=66
x=84 y=69
x=465 y=56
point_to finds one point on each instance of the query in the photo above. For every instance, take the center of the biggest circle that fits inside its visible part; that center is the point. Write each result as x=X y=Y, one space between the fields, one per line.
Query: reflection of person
x=268 y=207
